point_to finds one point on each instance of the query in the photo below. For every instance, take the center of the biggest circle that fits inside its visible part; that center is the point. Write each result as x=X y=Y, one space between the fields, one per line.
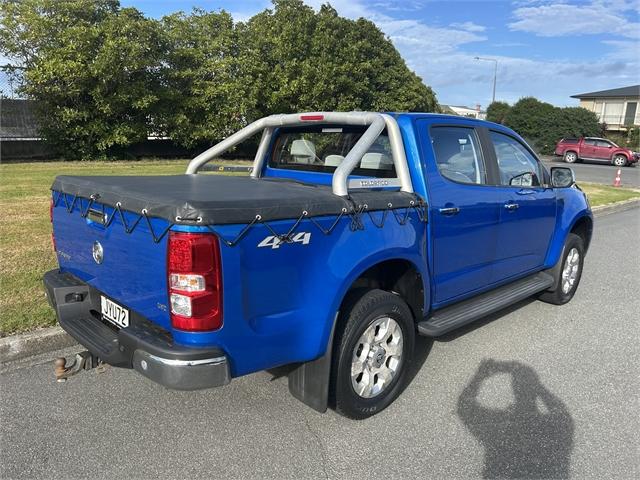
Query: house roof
x=632 y=91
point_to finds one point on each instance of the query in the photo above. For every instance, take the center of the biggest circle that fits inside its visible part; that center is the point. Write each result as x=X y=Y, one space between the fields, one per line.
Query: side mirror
x=562 y=177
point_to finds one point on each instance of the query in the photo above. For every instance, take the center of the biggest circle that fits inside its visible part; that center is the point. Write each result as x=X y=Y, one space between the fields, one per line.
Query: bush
x=543 y=125
x=497 y=112
x=629 y=139
x=91 y=67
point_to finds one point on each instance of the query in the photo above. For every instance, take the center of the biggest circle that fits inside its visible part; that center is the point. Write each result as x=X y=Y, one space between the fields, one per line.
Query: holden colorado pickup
x=354 y=233
x=595 y=149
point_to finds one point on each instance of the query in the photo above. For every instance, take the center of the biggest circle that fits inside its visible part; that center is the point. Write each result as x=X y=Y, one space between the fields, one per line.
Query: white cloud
x=469 y=27
x=397 y=5
x=561 y=19
x=417 y=40
x=243 y=15
x=438 y=55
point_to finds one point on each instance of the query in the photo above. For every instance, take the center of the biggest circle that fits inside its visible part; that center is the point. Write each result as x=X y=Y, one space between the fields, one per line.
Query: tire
x=619 y=161
x=570 y=157
x=568 y=282
x=385 y=318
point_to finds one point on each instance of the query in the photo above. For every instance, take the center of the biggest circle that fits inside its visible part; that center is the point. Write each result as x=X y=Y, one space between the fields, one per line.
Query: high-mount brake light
x=312 y=118
x=195 y=281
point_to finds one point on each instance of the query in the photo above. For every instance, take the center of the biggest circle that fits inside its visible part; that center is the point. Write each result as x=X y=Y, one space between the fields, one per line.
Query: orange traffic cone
x=617 y=182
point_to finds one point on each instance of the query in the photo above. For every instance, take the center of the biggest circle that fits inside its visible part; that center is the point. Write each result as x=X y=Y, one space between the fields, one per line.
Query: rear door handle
x=526 y=191
x=449 y=210
x=511 y=206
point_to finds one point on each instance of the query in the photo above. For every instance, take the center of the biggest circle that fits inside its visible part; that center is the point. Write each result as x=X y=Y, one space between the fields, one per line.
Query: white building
x=465 y=111
x=617 y=108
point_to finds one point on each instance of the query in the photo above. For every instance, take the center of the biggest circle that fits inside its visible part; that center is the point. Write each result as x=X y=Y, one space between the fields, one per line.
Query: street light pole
x=495 y=73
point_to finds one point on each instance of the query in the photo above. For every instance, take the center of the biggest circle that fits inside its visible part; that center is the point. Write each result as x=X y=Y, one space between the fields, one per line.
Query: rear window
x=322 y=148
x=570 y=140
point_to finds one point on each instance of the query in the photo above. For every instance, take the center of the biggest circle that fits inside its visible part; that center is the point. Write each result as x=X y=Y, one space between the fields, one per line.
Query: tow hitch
x=83 y=361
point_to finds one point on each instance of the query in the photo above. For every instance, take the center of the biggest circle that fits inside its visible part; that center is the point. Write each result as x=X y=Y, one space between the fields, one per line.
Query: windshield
x=323 y=149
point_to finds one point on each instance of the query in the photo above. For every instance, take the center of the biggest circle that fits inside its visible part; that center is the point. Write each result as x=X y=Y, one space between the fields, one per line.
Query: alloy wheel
x=377 y=357
x=570 y=270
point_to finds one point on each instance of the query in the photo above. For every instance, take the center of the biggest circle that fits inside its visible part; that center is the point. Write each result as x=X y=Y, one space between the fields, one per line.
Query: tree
x=296 y=59
x=205 y=95
x=543 y=125
x=497 y=112
x=104 y=77
x=91 y=66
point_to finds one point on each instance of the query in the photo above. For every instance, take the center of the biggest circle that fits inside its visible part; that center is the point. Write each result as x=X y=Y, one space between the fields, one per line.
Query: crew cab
x=595 y=149
x=355 y=232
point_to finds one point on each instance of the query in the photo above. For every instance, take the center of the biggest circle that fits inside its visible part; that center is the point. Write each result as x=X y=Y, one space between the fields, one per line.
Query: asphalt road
x=599 y=172
x=537 y=391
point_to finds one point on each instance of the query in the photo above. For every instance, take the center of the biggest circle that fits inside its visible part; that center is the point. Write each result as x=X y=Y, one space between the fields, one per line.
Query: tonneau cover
x=218 y=200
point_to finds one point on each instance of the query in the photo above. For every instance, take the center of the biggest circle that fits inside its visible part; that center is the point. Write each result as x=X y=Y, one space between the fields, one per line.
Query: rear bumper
x=142 y=346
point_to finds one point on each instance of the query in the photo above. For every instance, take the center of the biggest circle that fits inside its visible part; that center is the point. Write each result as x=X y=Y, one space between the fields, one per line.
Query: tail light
x=53 y=237
x=195 y=281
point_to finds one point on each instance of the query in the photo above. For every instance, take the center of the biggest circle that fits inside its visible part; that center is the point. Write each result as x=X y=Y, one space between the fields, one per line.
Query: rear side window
x=323 y=149
x=458 y=155
x=517 y=166
x=590 y=142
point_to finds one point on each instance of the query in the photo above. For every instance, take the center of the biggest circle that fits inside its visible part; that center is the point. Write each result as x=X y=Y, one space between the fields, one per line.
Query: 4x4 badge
x=274 y=242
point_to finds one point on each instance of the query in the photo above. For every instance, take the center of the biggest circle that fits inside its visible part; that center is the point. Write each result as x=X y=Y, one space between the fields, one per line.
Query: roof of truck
x=448 y=117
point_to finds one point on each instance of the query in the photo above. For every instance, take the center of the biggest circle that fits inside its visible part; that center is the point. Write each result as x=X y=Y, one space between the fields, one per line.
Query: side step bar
x=467 y=311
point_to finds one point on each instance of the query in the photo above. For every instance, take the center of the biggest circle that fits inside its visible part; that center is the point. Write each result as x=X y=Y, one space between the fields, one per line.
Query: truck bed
x=220 y=200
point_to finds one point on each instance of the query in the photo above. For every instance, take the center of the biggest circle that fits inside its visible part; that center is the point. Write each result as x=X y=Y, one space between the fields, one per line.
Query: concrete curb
x=16 y=347
x=616 y=207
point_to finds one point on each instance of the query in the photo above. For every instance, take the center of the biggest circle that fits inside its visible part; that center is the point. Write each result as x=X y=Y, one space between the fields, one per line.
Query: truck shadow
x=530 y=438
x=421 y=351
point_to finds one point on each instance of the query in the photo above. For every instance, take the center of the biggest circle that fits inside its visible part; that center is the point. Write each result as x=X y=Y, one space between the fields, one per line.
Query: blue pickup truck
x=354 y=233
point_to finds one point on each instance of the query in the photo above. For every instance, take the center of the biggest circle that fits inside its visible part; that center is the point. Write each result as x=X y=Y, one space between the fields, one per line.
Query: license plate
x=114 y=313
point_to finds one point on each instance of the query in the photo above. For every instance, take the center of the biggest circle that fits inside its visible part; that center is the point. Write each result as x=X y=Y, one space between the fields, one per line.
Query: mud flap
x=309 y=382
x=556 y=270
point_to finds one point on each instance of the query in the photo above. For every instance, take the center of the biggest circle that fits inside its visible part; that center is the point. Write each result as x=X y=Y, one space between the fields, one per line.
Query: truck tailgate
x=132 y=270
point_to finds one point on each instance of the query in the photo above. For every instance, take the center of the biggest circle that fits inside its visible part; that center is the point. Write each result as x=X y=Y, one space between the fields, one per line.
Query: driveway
x=536 y=391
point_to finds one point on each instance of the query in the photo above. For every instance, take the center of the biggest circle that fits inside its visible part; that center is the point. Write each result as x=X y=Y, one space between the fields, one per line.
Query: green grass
x=603 y=194
x=25 y=231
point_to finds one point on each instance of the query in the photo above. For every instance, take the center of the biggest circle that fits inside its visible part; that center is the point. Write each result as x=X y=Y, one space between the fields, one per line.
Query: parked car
x=595 y=149
x=355 y=233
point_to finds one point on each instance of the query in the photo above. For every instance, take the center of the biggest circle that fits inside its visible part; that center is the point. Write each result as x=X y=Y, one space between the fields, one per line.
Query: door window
x=458 y=155
x=517 y=166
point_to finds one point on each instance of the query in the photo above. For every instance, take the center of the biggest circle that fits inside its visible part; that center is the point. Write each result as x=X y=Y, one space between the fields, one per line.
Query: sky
x=545 y=48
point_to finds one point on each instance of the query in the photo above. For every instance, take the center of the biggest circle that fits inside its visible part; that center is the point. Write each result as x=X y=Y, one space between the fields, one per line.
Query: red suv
x=596 y=149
